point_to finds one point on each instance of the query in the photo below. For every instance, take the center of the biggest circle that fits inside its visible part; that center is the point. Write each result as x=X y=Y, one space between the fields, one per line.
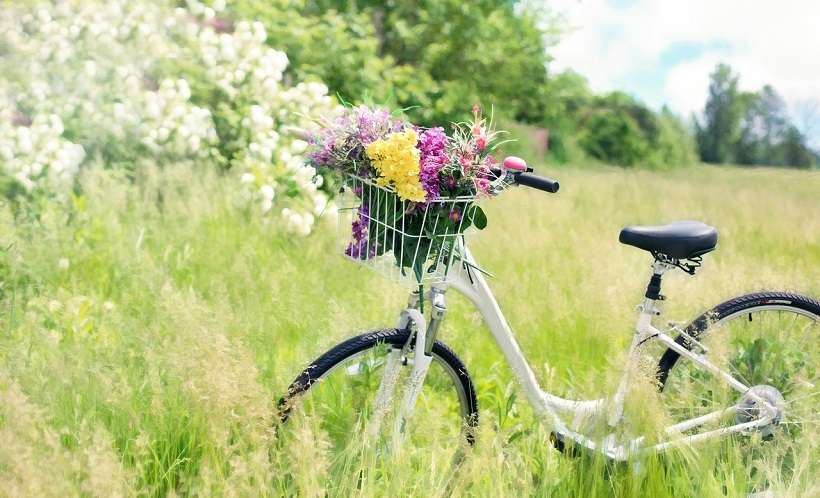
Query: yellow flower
x=396 y=159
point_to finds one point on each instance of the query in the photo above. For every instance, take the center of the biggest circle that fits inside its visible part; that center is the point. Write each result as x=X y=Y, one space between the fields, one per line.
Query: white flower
x=247 y=178
x=298 y=146
x=63 y=264
x=319 y=203
x=193 y=143
x=267 y=192
x=120 y=113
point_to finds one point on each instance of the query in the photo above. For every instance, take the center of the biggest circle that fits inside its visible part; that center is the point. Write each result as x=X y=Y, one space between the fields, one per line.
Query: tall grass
x=148 y=330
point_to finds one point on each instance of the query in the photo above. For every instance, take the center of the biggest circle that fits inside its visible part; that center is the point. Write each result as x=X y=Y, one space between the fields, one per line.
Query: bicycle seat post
x=653 y=288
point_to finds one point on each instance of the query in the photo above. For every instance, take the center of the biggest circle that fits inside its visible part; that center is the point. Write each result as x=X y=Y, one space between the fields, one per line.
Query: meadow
x=149 y=328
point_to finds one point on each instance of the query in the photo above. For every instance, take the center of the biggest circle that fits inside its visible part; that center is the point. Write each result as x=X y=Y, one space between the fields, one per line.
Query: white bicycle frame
x=549 y=407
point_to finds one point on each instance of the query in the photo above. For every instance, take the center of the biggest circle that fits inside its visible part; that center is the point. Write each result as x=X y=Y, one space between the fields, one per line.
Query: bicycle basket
x=407 y=242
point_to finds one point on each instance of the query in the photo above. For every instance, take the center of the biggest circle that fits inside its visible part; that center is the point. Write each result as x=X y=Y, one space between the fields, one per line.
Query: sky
x=662 y=51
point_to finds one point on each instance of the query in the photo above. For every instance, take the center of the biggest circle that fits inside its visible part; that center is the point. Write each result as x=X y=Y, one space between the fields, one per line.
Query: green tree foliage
x=566 y=95
x=436 y=57
x=718 y=133
x=793 y=149
x=614 y=136
x=619 y=129
x=763 y=127
x=749 y=127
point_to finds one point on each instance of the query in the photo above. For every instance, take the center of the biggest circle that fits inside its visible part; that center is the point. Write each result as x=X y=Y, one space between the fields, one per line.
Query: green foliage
x=566 y=95
x=610 y=135
x=750 y=128
x=675 y=144
x=793 y=150
x=437 y=58
x=618 y=129
x=719 y=131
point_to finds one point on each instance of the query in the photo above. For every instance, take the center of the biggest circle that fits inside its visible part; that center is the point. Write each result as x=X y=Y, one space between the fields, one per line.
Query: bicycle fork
x=422 y=341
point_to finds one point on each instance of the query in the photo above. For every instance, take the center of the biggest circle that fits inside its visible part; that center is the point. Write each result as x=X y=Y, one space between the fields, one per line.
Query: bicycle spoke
x=770 y=347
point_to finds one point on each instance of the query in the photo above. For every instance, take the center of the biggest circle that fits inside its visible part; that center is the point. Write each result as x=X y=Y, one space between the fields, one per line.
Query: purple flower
x=432 y=146
x=360 y=247
x=340 y=143
x=373 y=124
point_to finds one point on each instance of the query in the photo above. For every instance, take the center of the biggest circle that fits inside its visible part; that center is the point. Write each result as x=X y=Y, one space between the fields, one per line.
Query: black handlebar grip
x=538 y=182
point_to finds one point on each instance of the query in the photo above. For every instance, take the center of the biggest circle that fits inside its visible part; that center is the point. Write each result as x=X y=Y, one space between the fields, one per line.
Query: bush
x=620 y=130
x=125 y=84
x=614 y=137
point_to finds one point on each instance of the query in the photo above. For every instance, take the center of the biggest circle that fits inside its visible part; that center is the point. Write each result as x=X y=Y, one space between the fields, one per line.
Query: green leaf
x=478 y=218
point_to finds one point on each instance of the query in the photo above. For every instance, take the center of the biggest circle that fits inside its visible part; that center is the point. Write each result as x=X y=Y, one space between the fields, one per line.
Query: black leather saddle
x=679 y=239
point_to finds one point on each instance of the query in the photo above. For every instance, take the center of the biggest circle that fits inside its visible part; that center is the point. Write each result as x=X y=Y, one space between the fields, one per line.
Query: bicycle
x=716 y=377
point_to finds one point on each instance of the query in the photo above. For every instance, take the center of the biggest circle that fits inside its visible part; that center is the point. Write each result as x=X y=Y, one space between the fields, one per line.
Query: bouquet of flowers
x=415 y=187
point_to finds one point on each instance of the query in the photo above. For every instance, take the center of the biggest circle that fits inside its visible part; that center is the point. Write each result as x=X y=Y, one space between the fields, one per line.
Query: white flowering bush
x=249 y=75
x=37 y=155
x=123 y=82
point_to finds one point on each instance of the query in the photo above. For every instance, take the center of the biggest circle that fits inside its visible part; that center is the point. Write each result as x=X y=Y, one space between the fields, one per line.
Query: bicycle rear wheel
x=337 y=394
x=769 y=342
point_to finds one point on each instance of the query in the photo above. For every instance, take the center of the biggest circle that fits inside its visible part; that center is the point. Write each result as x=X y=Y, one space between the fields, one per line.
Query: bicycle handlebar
x=537 y=182
x=522 y=175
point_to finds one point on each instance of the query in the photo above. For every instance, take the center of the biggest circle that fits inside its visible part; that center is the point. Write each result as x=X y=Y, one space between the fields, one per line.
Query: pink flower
x=481 y=142
x=455 y=216
x=482 y=184
x=466 y=162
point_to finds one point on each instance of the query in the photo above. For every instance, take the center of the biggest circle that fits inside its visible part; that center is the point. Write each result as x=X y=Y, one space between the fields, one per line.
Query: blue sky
x=647 y=79
x=662 y=51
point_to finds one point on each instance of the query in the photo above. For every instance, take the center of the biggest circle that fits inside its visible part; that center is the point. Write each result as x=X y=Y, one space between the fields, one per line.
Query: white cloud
x=686 y=84
x=775 y=43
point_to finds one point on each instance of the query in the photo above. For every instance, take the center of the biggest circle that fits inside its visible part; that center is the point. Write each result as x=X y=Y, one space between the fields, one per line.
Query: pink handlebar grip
x=515 y=163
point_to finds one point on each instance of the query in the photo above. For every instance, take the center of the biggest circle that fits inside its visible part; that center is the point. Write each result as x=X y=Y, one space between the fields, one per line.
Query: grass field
x=147 y=332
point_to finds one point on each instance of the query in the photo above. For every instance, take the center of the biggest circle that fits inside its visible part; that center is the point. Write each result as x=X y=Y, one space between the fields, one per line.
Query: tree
x=565 y=96
x=434 y=57
x=794 y=151
x=762 y=128
x=718 y=132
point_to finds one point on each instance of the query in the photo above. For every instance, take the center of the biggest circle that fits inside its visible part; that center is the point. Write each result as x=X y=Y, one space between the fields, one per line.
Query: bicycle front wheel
x=769 y=342
x=342 y=394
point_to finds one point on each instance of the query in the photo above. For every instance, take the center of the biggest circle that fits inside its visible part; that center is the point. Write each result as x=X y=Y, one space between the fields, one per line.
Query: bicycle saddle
x=679 y=239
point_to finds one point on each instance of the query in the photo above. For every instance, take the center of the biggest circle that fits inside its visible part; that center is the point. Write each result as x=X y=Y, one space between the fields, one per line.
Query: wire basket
x=407 y=242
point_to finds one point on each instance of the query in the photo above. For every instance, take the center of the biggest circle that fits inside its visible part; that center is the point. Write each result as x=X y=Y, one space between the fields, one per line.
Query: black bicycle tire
x=747 y=302
x=355 y=345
